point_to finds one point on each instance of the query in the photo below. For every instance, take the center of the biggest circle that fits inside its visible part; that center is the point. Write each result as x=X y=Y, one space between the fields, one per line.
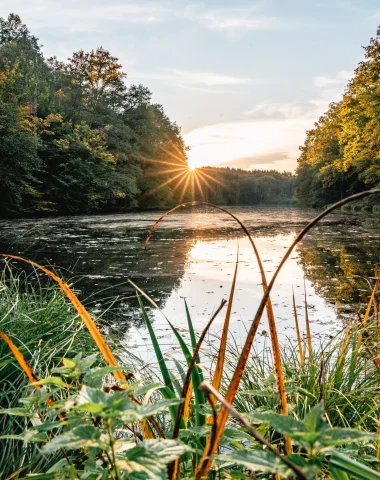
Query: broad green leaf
x=285 y=424
x=236 y=434
x=81 y=437
x=93 y=377
x=342 y=436
x=88 y=395
x=256 y=460
x=51 y=381
x=314 y=421
x=168 y=449
x=157 y=407
x=148 y=460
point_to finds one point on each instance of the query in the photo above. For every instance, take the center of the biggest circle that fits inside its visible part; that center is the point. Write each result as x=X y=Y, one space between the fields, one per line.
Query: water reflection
x=192 y=255
x=339 y=262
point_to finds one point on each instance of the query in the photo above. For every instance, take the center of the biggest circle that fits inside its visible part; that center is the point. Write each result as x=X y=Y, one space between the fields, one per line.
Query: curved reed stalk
x=82 y=312
x=24 y=365
x=92 y=328
x=217 y=380
x=271 y=321
x=206 y=460
x=205 y=386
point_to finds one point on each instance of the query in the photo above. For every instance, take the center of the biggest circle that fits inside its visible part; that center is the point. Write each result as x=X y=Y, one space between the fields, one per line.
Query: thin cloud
x=88 y=17
x=269 y=110
x=340 y=79
x=236 y=19
x=190 y=78
x=238 y=143
x=270 y=160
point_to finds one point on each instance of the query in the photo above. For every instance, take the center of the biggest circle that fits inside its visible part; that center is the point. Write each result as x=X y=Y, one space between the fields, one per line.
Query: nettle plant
x=95 y=430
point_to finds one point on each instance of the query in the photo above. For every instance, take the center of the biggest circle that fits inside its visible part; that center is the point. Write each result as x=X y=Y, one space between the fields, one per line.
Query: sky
x=245 y=80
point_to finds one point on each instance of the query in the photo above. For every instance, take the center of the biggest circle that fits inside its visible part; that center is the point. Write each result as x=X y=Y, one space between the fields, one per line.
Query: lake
x=192 y=255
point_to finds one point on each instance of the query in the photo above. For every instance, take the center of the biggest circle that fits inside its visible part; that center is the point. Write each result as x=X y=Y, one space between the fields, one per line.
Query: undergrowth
x=291 y=411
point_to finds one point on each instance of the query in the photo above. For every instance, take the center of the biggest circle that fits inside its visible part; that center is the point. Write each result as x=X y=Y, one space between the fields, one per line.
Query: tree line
x=74 y=138
x=341 y=154
x=235 y=186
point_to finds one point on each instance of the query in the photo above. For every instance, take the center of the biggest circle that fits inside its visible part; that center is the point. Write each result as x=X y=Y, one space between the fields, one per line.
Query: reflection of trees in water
x=339 y=264
x=104 y=252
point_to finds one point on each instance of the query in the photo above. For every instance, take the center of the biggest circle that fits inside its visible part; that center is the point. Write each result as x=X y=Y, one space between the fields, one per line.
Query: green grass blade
x=338 y=474
x=352 y=467
x=191 y=330
x=194 y=341
x=168 y=394
x=196 y=376
x=157 y=349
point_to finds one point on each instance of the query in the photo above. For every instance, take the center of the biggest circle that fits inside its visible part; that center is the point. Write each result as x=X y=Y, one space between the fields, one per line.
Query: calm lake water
x=192 y=255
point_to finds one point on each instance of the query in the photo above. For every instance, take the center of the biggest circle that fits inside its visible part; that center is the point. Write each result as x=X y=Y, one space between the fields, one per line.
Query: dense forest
x=232 y=186
x=75 y=138
x=341 y=154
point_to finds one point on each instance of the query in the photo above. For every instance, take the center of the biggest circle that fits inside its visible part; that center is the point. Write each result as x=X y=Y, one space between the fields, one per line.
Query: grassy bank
x=343 y=376
x=217 y=409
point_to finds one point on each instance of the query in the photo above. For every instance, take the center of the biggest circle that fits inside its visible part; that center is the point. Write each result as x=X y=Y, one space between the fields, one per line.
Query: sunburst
x=194 y=182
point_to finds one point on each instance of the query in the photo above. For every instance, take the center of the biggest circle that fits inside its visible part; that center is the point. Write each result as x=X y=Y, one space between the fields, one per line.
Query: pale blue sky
x=244 y=79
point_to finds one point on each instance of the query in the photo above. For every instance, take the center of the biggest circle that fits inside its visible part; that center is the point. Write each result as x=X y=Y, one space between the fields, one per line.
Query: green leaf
x=173 y=409
x=314 y=421
x=51 y=381
x=342 y=436
x=256 y=460
x=19 y=412
x=68 y=363
x=80 y=437
x=202 y=431
x=156 y=346
x=148 y=460
x=338 y=474
x=196 y=376
x=341 y=462
x=168 y=450
x=94 y=377
x=48 y=426
x=157 y=407
x=284 y=424
x=88 y=395
x=235 y=434
x=192 y=333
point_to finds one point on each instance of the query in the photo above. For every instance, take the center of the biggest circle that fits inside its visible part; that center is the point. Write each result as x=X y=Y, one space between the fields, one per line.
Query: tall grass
x=45 y=328
x=344 y=374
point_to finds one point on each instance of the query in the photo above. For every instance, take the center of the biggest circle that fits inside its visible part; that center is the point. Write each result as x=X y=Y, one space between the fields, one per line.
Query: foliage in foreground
x=92 y=432
x=93 y=429
x=301 y=440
